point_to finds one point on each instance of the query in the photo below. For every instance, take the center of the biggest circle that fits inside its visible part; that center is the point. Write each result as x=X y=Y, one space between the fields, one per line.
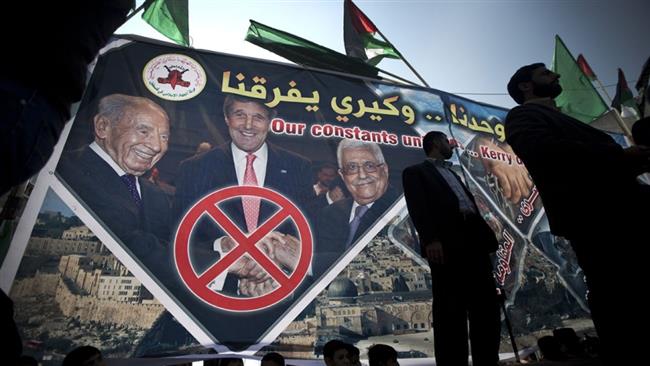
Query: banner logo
x=246 y=245
x=174 y=77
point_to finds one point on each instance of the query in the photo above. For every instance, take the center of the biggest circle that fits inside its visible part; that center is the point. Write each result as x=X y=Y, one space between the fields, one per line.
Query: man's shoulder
x=336 y=208
x=152 y=191
x=415 y=167
x=529 y=110
x=386 y=200
x=75 y=155
x=215 y=155
x=76 y=163
x=287 y=155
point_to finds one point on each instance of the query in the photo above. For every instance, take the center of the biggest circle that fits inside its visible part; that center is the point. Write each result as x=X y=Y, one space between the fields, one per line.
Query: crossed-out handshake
x=282 y=249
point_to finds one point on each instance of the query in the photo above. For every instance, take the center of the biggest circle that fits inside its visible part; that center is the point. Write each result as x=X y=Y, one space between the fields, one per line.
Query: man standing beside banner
x=131 y=136
x=457 y=242
x=248 y=160
x=588 y=185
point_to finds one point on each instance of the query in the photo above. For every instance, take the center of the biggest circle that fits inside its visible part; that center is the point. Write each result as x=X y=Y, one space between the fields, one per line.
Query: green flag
x=359 y=35
x=579 y=98
x=170 y=18
x=304 y=52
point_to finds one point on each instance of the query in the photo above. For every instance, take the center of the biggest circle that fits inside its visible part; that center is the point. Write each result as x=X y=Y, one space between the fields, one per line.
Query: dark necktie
x=354 y=224
x=129 y=180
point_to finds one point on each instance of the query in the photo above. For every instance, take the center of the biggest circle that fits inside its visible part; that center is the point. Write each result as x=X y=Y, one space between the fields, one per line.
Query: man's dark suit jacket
x=579 y=170
x=286 y=172
x=144 y=231
x=434 y=210
x=333 y=228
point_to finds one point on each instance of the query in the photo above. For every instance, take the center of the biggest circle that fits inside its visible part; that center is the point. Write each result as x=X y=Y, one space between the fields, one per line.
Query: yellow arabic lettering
x=500 y=131
x=407 y=112
x=257 y=91
x=362 y=109
x=277 y=98
x=345 y=102
x=293 y=95
x=474 y=126
x=388 y=102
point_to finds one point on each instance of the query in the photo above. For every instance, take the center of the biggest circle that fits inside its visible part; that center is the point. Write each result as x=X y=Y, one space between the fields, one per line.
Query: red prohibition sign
x=198 y=283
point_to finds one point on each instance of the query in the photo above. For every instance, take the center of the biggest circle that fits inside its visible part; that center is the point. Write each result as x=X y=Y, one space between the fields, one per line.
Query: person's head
x=363 y=170
x=353 y=353
x=436 y=145
x=641 y=131
x=273 y=359
x=534 y=81
x=382 y=355
x=248 y=121
x=231 y=362
x=203 y=147
x=84 y=356
x=27 y=361
x=326 y=174
x=335 y=353
x=134 y=131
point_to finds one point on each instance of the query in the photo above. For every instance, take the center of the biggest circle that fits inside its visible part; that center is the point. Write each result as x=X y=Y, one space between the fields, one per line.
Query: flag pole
x=137 y=10
x=623 y=126
x=398 y=78
x=602 y=87
x=403 y=59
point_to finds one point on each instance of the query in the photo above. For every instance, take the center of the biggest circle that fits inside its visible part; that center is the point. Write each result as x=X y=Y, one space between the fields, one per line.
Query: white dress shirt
x=259 y=165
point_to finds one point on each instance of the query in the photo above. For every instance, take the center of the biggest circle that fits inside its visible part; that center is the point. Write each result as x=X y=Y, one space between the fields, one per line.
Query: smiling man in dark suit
x=131 y=136
x=457 y=242
x=365 y=173
x=247 y=160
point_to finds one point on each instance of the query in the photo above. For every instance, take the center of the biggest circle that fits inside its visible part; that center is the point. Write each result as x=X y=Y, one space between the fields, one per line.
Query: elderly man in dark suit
x=131 y=135
x=248 y=160
x=365 y=173
x=457 y=242
x=588 y=185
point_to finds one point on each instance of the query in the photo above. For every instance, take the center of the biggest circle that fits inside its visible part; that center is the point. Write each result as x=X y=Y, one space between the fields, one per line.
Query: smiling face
x=248 y=124
x=138 y=140
x=364 y=175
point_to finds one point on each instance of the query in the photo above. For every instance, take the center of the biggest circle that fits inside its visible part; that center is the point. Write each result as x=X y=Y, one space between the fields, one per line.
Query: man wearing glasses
x=341 y=224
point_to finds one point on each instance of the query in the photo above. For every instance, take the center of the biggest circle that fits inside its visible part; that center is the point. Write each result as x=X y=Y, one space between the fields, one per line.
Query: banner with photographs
x=210 y=201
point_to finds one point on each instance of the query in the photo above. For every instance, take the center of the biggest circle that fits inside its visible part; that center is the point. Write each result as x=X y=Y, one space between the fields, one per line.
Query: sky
x=465 y=47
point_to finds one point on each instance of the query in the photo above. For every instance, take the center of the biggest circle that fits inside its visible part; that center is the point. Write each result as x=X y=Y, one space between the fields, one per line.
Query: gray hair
x=115 y=106
x=232 y=98
x=356 y=144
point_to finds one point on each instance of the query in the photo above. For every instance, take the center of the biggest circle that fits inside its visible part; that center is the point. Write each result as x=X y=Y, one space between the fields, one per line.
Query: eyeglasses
x=240 y=116
x=368 y=167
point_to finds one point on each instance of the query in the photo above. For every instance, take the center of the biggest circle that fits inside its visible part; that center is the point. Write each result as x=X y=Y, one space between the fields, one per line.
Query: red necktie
x=251 y=204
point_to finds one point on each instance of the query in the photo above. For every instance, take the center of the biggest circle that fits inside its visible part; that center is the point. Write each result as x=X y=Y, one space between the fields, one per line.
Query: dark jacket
x=435 y=212
x=333 y=228
x=580 y=171
x=100 y=189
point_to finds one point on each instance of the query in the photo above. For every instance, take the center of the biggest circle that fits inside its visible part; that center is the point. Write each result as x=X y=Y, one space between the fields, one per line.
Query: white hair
x=356 y=144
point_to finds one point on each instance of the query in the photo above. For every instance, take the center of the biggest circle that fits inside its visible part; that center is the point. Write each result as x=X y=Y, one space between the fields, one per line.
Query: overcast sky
x=460 y=47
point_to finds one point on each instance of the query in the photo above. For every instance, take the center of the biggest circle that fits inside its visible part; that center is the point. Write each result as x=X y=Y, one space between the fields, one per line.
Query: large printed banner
x=212 y=200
